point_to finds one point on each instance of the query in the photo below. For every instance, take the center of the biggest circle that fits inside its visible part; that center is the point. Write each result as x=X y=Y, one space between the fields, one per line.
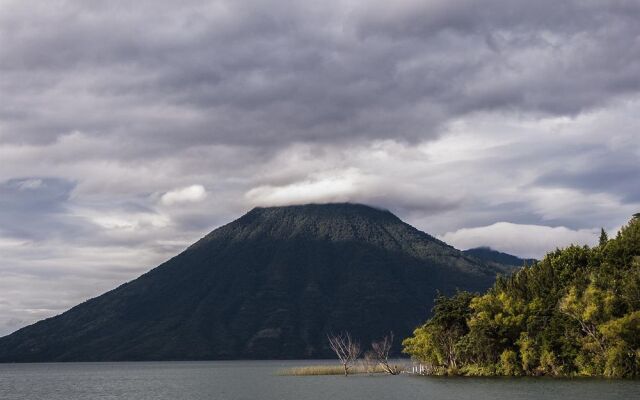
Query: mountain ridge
x=489 y=254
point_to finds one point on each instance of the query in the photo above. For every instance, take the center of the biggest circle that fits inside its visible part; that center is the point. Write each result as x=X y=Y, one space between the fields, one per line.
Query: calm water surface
x=258 y=380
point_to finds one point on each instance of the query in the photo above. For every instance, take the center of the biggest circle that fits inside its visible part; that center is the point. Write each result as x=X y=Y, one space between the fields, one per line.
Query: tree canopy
x=574 y=313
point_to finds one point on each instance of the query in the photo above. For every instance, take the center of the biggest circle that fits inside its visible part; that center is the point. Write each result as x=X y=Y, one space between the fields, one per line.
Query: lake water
x=258 y=380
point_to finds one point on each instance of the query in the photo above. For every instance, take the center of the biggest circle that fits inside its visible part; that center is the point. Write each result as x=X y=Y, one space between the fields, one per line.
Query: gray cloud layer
x=270 y=73
x=128 y=130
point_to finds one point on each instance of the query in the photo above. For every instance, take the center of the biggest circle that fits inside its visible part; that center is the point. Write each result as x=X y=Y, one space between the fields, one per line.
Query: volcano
x=269 y=285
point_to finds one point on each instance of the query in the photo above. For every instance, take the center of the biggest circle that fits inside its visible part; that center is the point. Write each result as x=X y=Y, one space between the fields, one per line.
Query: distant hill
x=269 y=285
x=490 y=255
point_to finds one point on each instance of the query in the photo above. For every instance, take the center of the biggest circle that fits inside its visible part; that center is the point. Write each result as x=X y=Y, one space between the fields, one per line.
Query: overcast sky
x=128 y=130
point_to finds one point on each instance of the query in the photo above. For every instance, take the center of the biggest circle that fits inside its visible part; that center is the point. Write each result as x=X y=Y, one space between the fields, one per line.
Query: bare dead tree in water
x=346 y=349
x=381 y=350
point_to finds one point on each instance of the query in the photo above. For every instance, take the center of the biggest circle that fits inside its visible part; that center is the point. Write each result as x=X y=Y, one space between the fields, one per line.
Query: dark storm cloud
x=269 y=73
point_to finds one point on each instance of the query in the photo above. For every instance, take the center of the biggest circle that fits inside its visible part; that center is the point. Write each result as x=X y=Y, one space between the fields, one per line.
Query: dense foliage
x=575 y=313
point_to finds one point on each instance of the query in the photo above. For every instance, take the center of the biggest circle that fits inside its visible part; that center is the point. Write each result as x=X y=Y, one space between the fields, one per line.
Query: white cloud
x=324 y=187
x=130 y=222
x=189 y=194
x=521 y=240
x=9 y=242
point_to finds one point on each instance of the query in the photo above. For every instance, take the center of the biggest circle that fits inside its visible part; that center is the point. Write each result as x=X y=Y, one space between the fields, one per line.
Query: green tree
x=604 y=238
x=435 y=343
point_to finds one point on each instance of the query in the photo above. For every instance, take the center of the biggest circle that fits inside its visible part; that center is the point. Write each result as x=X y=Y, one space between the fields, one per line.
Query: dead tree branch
x=381 y=350
x=346 y=349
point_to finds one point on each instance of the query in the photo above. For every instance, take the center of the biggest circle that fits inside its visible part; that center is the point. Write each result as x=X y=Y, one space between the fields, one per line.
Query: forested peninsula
x=574 y=313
